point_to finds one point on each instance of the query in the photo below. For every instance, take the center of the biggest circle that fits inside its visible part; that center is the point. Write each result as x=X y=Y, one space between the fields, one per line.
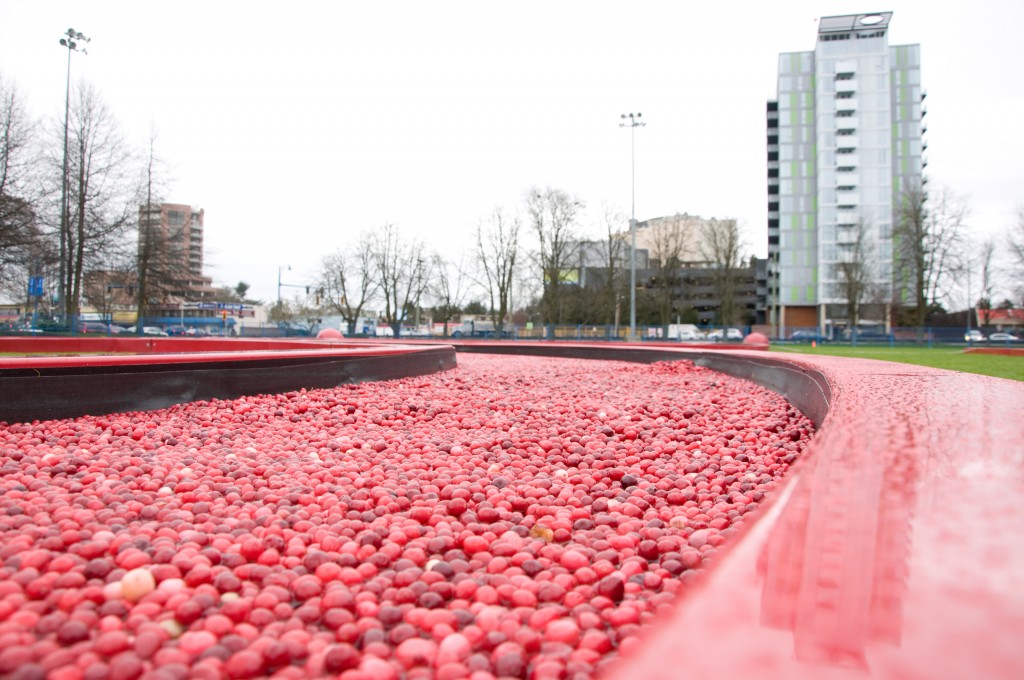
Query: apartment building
x=845 y=140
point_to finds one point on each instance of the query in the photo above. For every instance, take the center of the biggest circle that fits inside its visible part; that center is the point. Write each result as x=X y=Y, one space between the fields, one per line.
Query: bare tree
x=449 y=286
x=552 y=214
x=986 y=260
x=1015 y=244
x=402 y=271
x=22 y=253
x=101 y=191
x=723 y=246
x=669 y=241
x=497 y=247
x=161 y=260
x=929 y=231
x=615 y=248
x=854 y=271
x=349 y=280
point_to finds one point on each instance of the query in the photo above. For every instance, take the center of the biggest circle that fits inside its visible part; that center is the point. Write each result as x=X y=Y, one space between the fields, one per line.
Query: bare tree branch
x=1015 y=244
x=669 y=241
x=349 y=280
x=101 y=193
x=723 y=246
x=402 y=271
x=497 y=247
x=855 y=271
x=22 y=249
x=929 y=234
x=552 y=214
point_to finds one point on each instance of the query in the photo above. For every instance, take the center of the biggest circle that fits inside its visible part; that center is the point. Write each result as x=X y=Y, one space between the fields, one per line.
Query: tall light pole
x=69 y=42
x=632 y=121
x=279 y=284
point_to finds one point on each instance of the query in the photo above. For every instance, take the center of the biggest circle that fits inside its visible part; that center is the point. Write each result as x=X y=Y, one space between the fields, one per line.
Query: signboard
x=35 y=286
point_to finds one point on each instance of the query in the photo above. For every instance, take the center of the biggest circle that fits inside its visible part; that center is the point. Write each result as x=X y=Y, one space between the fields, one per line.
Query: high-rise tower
x=844 y=142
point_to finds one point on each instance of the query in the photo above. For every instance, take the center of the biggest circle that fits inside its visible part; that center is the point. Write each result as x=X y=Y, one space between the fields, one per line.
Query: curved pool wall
x=166 y=372
x=893 y=549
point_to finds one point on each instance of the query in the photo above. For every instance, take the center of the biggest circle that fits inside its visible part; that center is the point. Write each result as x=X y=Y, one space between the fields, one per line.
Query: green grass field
x=952 y=358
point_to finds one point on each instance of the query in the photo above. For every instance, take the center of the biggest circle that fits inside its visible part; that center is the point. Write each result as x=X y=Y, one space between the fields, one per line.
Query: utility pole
x=62 y=291
x=632 y=121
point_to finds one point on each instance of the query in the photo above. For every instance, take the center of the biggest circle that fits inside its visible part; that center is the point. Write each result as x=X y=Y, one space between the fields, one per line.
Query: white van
x=684 y=331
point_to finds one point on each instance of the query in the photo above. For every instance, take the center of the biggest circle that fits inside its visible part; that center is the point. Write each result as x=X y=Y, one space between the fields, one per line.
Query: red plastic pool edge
x=165 y=372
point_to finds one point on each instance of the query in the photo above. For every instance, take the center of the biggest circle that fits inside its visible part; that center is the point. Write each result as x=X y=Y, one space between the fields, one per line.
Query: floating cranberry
x=428 y=527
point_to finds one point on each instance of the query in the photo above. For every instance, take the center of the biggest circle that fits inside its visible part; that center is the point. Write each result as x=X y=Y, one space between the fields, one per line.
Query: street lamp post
x=72 y=46
x=279 y=284
x=632 y=121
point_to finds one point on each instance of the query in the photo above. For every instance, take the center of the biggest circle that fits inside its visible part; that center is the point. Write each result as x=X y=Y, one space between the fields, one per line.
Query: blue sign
x=35 y=286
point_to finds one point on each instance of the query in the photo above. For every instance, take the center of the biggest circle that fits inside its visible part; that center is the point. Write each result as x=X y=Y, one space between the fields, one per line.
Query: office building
x=845 y=139
x=171 y=249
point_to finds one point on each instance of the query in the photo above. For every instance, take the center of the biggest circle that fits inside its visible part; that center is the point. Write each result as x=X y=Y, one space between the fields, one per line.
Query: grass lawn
x=952 y=358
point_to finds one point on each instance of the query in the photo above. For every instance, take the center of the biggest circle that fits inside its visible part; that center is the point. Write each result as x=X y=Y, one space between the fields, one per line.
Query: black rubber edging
x=49 y=393
x=806 y=389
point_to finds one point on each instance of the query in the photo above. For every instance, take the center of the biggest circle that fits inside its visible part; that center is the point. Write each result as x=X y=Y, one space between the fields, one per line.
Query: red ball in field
x=329 y=334
x=756 y=339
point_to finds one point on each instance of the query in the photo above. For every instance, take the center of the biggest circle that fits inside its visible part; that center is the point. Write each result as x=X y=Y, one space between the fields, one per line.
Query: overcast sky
x=296 y=126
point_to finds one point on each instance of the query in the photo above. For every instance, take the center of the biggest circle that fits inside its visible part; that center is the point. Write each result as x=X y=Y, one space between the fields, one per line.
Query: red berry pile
x=516 y=517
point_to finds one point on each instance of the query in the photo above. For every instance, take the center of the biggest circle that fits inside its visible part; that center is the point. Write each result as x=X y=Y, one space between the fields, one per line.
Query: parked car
x=866 y=334
x=720 y=334
x=806 y=336
x=99 y=327
x=974 y=335
x=148 y=330
x=1003 y=337
x=684 y=331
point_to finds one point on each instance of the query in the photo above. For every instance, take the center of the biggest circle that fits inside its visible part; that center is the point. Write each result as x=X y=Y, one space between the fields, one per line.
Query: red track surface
x=895 y=549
